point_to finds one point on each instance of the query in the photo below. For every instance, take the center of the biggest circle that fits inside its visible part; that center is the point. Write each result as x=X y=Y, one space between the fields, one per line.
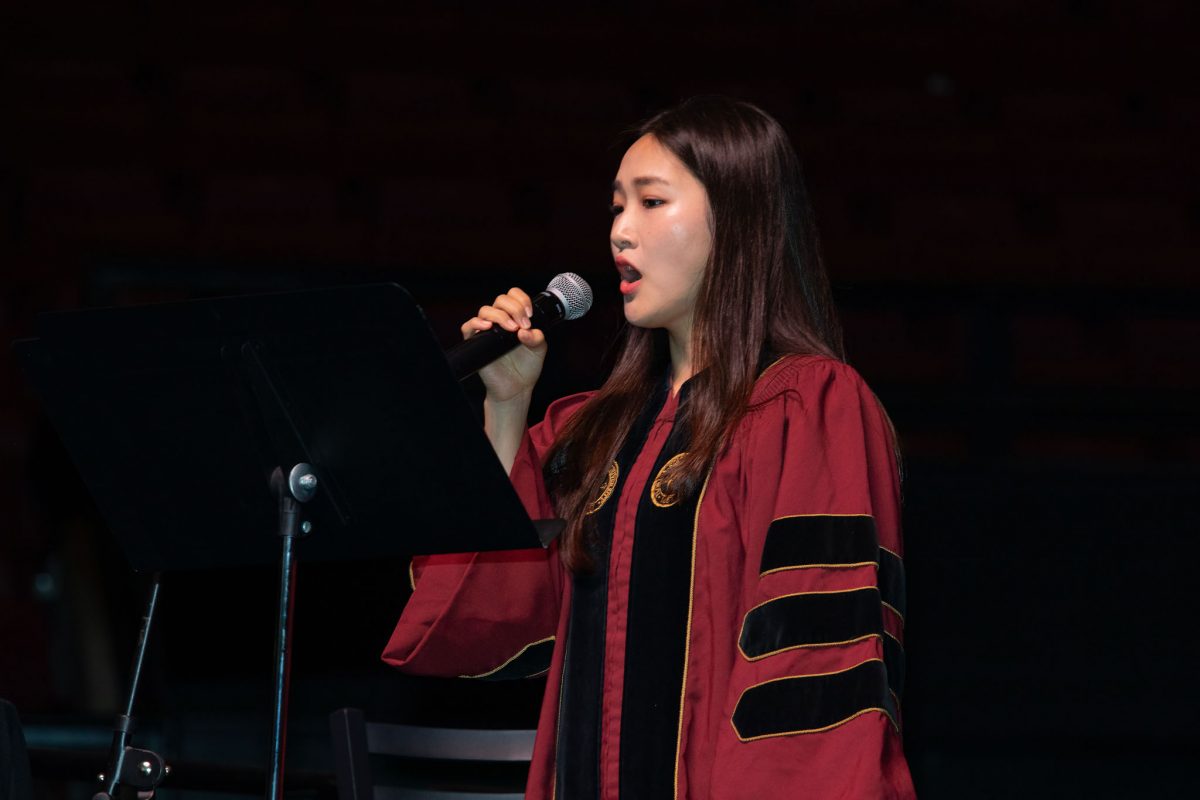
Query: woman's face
x=661 y=237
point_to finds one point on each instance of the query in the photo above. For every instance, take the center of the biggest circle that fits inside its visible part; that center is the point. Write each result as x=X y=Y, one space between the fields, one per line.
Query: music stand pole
x=299 y=487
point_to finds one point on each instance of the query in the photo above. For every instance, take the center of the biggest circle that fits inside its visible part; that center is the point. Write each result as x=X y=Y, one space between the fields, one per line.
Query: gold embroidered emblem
x=610 y=483
x=663 y=492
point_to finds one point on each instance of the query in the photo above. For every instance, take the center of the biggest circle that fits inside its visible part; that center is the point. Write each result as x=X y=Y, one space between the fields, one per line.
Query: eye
x=652 y=202
x=615 y=209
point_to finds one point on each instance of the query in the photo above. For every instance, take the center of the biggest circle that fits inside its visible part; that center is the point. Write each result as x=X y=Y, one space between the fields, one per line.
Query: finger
x=521 y=297
x=499 y=316
x=473 y=326
x=534 y=339
x=514 y=308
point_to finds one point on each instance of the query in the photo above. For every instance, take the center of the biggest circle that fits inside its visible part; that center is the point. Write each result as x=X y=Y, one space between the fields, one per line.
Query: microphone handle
x=471 y=355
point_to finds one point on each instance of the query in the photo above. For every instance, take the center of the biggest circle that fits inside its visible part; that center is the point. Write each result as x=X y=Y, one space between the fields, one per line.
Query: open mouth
x=630 y=277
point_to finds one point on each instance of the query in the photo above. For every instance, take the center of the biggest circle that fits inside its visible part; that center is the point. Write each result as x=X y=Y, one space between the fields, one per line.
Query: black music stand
x=199 y=427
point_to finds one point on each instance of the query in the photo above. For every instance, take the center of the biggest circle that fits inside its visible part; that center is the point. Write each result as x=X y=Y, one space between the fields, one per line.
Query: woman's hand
x=509 y=379
x=515 y=373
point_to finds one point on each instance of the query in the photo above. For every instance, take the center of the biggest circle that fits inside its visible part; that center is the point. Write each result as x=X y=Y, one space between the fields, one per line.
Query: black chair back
x=430 y=763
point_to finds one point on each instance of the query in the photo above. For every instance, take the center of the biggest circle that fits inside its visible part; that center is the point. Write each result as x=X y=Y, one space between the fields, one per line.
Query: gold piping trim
x=808 y=675
x=829 y=727
x=793 y=516
x=772 y=366
x=662 y=491
x=798 y=594
x=412 y=579
x=746 y=616
x=562 y=685
x=610 y=483
x=862 y=638
x=687 y=636
x=893 y=552
x=894 y=611
x=509 y=661
x=892 y=636
x=851 y=565
x=826 y=566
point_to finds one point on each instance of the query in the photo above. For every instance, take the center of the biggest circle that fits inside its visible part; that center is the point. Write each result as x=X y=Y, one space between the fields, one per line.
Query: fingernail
x=525 y=322
x=529 y=311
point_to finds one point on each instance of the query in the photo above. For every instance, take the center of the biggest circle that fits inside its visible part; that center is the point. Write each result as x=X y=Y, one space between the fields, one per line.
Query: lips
x=630 y=277
x=628 y=271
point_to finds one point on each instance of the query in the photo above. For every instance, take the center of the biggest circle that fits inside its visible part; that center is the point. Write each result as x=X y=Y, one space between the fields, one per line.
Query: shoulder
x=564 y=408
x=817 y=418
x=557 y=414
x=808 y=379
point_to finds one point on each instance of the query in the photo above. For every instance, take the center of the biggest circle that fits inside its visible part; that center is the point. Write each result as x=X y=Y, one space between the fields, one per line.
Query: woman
x=723 y=616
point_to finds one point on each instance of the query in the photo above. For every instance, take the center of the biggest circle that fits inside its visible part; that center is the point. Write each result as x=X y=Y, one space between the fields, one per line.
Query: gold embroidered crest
x=663 y=492
x=610 y=483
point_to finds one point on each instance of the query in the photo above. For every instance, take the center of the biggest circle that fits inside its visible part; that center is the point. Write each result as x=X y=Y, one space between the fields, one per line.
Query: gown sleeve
x=489 y=615
x=814 y=698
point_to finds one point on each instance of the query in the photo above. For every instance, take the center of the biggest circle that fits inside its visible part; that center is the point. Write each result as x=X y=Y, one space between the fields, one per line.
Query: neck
x=680 y=346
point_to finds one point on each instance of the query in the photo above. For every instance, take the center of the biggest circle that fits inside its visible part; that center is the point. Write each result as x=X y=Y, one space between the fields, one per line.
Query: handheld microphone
x=566 y=297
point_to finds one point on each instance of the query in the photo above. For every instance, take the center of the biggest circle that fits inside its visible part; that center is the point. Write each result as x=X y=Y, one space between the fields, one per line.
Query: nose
x=621 y=235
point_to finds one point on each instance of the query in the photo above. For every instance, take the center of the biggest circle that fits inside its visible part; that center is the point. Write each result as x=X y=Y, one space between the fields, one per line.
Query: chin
x=642 y=318
x=638 y=320
x=642 y=323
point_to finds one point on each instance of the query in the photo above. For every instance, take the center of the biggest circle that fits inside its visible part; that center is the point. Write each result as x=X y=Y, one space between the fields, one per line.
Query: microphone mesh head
x=573 y=291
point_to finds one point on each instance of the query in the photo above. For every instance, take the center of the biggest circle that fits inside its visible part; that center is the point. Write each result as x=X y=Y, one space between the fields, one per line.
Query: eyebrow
x=643 y=181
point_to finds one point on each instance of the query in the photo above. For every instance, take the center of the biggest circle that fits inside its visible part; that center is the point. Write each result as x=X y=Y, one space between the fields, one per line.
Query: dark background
x=1008 y=200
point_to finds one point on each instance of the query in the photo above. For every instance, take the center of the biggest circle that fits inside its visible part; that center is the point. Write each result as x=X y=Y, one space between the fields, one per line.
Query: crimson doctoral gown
x=744 y=642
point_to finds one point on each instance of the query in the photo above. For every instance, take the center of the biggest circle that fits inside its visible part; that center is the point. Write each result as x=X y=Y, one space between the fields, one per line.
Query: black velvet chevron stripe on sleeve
x=819 y=540
x=892 y=581
x=893 y=658
x=809 y=620
x=812 y=703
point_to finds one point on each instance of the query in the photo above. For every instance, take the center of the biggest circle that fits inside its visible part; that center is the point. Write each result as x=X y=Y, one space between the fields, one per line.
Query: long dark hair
x=764 y=271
